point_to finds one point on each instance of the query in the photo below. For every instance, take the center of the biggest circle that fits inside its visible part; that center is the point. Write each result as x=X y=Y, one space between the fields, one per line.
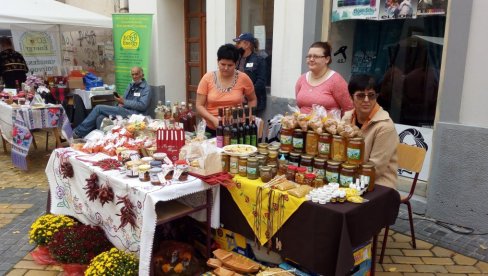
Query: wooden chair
x=102 y=99
x=410 y=158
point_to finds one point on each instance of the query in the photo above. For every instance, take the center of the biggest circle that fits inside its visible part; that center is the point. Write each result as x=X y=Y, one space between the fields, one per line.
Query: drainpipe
x=124 y=6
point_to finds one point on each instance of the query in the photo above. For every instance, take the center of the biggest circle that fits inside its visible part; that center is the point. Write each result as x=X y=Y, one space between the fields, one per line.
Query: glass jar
x=298 y=140
x=282 y=166
x=153 y=175
x=338 y=148
x=155 y=164
x=319 y=166
x=290 y=172
x=332 y=171
x=272 y=157
x=300 y=175
x=309 y=178
x=144 y=172
x=294 y=158
x=184 y=172
x=242 y=166
x=262 y=160
x=283 y=153
x=347 y=174
x=252 y=168
x=306 y=161
x=147 y=159
x=160 y=156
x=318 y=182
x=274 y=169
x=272 y=147
x=263 y=148
x=367 y=174
x=355 y=150
x=265 y=174
x=233 y=165
x=286 y=137
x=325 y=140
x=311 y=143
x=225 y=158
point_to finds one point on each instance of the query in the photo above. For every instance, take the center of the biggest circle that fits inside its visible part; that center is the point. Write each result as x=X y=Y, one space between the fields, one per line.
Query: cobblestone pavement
x=23 y=198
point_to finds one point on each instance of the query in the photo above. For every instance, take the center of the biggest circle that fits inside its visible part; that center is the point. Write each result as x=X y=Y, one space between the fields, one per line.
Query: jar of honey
x=355 y=150
x=286 y=137
x=319 y=165
x=252 y=168
x=309 y=178
x=325 y=139
x=318 y=182
x=234 y=165
x=338 y=148
x=300 y=175
x=263 y=148
x=290 y=172
x=242 y=166
x=347 y=174
x=332 y=171
x=294 y=158
x=225 y=158
x=262 y=160
x=306 y=162
x=311 y=143
x=265 y=174
x=272 y=157
x=367 y=174
x=298 y=140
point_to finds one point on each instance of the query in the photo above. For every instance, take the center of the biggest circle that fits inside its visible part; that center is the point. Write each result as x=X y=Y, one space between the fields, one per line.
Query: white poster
x=419 y=137
x=260 y=35
x=40 y=46
x=355 y=9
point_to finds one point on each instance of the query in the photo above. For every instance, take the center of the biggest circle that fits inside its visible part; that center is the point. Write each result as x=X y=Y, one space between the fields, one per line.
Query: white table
x=68 y=197
x=86 y=95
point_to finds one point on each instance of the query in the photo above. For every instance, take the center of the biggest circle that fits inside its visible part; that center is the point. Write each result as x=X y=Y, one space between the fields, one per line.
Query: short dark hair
x=228 y=51
x=361 y=82
x=324 y=45
x=5 y=41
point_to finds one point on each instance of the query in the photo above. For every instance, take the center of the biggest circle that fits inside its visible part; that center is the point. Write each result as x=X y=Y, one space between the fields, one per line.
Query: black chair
x=102 y=99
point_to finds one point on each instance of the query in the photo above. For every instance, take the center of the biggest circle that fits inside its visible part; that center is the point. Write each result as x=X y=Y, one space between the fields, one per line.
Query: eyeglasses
x=313 y=57
x=361 y=96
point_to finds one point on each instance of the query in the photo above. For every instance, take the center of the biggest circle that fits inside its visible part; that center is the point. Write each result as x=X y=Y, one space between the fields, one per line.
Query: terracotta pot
x=74 y=269
x=42 y=256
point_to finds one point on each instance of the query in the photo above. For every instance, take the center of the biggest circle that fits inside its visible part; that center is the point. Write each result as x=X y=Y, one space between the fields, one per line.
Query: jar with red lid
x=290 y=172
x=300 y=175
x=309 y=178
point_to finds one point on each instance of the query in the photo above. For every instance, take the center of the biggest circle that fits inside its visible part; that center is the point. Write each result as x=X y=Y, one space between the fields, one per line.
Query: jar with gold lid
x=306 y=162
x=332 y=171
x=294 y=158
x=290 y=172
x=252 y=168
x=263 y=148
x=242 y=166
x=311 y=143
x=286 y=137
x=347 y=174
x=325 y=139
x=272 y=157
x=319 y=165
x=355 y=150
x=367 y=174
x=225 y=158
x=262 y=160
x=338 y=148
x=298 y=140
x=265 y=174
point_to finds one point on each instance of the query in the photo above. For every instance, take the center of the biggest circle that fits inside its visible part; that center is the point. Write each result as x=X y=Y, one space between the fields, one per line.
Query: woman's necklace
x=313 y=81
x=219 y=83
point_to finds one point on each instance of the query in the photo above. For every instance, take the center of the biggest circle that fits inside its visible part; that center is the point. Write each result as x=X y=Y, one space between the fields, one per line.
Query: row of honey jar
x=325 y=145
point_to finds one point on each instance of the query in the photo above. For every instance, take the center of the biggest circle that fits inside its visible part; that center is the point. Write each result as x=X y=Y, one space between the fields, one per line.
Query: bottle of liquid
x=183 y=119
x=167 y=113
x=247 y=127
x=158 y=111
x=227 y=128
x=220 y=130
x=254 y=129
x=192 y=119
x=234 y=138
x=240 y=128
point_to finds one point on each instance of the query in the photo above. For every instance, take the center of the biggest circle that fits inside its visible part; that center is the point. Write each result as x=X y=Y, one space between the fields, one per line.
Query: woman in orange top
x=225 y=87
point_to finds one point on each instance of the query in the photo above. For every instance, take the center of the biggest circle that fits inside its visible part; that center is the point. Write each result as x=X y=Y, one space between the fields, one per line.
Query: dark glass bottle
x=234 y=132
x=220 y=130
x=254 y=129
x=192 y=118
x=240 y=128
x=226 y=128
x=247 y=127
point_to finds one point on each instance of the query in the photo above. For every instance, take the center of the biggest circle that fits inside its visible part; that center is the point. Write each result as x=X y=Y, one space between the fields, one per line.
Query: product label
x=332 y=177
x=252 y=171
x=364 y=179
x=298 y=143
x=285 y=139
x=242 y=169
x=320 y=173
x=234 y=167
x=344 y=180
x=353 y=154
x=324 y=148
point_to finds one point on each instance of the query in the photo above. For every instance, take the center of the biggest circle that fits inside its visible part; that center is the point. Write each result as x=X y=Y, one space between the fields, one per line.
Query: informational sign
x=420 y=137
x=355 y=9
x=260 y=35
x=397 y=9
x=132 y=46
x=39 y=44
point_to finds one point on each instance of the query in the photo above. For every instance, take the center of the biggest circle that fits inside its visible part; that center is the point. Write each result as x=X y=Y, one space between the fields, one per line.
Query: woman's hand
x=200 y=103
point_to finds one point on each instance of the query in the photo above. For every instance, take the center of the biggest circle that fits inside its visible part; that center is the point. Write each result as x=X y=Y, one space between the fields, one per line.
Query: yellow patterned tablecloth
x=266 y=210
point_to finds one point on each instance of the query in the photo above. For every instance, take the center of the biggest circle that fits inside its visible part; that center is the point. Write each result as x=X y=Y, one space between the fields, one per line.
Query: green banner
x=132 y=46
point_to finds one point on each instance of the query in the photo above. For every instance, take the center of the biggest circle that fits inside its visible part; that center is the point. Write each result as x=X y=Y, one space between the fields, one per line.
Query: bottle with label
x=247 y=127
x=220 y=131
x=234 y=132
x=240 y=127
x=254 y=129
x=226 y=129
x=192 y=119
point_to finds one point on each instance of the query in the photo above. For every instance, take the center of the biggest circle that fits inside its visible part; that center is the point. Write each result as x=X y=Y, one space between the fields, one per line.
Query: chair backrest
x=102 y=99
x=411 y=158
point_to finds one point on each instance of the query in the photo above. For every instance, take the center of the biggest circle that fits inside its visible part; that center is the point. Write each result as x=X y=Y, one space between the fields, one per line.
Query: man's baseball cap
x=245 y=36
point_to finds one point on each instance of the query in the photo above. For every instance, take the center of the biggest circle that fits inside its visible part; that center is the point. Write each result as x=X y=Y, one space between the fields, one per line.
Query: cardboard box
x=362 y=253
x=76 y=83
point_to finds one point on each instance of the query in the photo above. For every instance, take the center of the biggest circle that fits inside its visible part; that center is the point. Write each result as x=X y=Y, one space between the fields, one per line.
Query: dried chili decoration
x=127 y=215
x=108 y=164
x=67 y=170
x=92 y=187
x=105 y=194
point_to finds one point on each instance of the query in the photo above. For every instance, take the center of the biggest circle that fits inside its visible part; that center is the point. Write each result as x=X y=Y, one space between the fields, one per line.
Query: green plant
x=44 y=228
x=113 y=262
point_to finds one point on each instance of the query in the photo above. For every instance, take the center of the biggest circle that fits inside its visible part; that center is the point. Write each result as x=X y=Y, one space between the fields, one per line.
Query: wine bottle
x=234 y=137
x=240 y=128
x=220 y=130
x=247 y=127
x=226 y=128
x=254 y=129
x=192 y=119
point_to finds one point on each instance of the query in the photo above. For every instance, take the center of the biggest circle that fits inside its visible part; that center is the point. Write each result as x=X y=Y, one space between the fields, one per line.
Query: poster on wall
x=419 y=137
x=432 y=7
x=397 y=9
x=39 y=44
x=132 y=46
x=355 y=9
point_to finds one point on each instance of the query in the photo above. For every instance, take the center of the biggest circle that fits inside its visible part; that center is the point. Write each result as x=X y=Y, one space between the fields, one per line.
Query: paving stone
x=430 y=268
x=389 y=274
x=442 y=252
x=450 y=274
x=399 y=245
x=398 y=268
x=483 y=267
x=418 y=274
x=437 y=261
x=17 y=272
x=463 y=260
x=29 y=265
x=406 y=260
x=417 y=252
x=462 y=269
x=423 y=245
x=41 y=273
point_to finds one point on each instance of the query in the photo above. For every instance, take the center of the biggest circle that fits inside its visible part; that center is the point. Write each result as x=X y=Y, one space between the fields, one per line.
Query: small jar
x=342 y=197
x=318 y=182
x=347 y=174
x=311 y=146
x=325 y=140
x=265 y=174
x=242 y=166
x=355 y=150
x=234 y=165
x=294 y=158
x=309 y=178
x=272 y=157
x=367 y=174
x=132 y=168
x=290 y=172
x=274 y=169
x=263 y=148
x=144 y=172
x=262 y=160
x=286 y=137
x=225 y=158
x=300 y=175
x=155 y=164
x=252 y=168
x=332 y=171
x=298 y=140
x=182 y=170
x=147 y=159
x=306 y=161
x=153 y=175
x=319 y=166
x=338 y=148
x=282 y=166
x=272 y=147
x=160 y=156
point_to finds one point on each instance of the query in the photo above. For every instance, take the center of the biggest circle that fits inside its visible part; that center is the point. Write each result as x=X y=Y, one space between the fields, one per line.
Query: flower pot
x=42 y=256
x=74 y=269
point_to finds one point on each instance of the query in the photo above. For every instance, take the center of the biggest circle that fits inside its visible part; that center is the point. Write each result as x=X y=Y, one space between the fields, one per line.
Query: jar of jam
x=294 y=158
x=242 y=166
x=283 y=153
x=286 y=137
x=309 y=178
x=306 y=161
x=311 y=143
x=298 y=140
x=155 y=164
x=132 y=168
x=319 y=166
x=367 y=174
x=347 y=174
x=252 y=168
x=272 y=157
x=318 y=182
x=290 y=172
x=225 y=162
x=355 y=150
x=338 y=148
x=184 y=172
x=233 y=165
x=325 y=140
x=153 y=175
x=300 y=175
x=144 y=172
x=265 y=174
x=332 y=171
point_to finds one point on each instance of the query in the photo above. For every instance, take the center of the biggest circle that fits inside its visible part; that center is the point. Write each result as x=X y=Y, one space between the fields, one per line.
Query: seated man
x=136 y=100
x=380 y=137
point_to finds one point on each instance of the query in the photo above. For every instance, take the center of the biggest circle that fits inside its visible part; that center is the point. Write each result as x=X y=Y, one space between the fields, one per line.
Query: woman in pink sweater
x=321 y=85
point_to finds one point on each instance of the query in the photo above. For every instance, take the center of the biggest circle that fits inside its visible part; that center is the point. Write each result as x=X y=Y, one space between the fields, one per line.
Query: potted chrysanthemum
x=42 y=232
x=113 y=262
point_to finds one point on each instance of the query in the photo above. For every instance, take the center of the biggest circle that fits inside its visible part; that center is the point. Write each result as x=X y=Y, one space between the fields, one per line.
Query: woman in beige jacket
x=380 y=136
